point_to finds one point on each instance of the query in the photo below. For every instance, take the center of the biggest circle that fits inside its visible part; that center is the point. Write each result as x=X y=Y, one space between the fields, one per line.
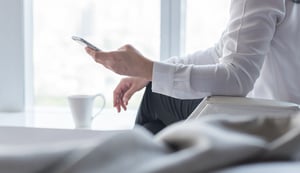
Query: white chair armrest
x=243 y=106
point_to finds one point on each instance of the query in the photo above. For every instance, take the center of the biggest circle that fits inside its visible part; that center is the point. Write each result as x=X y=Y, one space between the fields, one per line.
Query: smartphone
x=85 y=43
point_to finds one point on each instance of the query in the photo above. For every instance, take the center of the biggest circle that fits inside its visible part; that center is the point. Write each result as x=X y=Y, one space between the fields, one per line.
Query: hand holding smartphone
x=85 y=43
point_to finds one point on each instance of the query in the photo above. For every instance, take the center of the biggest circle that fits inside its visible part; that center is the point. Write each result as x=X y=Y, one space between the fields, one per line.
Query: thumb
x=90 y=51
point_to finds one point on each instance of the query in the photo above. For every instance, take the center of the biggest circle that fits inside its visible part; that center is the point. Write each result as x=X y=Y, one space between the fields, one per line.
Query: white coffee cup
x=82 y=109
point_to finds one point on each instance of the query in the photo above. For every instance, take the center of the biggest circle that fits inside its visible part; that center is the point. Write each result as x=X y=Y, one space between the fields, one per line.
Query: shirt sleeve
x=209 y=56
x=244 y=45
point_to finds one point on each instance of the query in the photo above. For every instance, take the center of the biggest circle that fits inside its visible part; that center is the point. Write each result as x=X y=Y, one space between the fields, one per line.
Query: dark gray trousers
x=158 y=111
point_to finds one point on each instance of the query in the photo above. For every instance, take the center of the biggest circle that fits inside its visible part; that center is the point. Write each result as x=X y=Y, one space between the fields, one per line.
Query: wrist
x=148 y=70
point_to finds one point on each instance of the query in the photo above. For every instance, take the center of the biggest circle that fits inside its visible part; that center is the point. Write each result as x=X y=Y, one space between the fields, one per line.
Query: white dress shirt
x=258 y=55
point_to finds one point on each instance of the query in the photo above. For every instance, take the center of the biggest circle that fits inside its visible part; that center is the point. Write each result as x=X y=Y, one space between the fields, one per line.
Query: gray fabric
x=209 y=144
x=273 y=167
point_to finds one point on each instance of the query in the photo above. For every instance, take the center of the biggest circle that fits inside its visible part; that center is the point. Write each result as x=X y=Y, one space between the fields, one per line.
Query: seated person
x=257 y=56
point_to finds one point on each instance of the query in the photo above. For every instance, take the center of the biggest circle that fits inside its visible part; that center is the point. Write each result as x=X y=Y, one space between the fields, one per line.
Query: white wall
x=12 y=55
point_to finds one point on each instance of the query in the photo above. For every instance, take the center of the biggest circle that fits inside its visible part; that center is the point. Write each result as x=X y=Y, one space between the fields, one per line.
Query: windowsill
x=61 y=118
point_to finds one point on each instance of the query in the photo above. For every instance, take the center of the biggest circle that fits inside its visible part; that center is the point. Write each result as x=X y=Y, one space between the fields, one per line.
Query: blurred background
x=61 y=67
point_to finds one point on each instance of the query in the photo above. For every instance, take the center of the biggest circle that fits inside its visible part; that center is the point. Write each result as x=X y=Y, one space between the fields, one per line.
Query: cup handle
x=103 y=105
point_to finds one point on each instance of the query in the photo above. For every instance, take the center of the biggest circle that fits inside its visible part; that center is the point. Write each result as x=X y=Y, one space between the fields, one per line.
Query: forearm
x=202 y=57
x=193 y=82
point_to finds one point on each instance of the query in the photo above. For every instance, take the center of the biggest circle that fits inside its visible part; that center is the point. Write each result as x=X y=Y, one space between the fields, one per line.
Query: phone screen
x=84 y=43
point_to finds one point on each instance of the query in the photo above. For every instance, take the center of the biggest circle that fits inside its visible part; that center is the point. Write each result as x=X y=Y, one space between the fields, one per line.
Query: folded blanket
x=206 y=144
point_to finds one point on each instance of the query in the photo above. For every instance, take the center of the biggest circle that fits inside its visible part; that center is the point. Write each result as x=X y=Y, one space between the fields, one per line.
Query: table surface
x=61 y=118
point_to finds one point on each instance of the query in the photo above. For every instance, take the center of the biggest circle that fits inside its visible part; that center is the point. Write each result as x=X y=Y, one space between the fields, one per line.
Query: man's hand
x=125 y=61
x=125 y=89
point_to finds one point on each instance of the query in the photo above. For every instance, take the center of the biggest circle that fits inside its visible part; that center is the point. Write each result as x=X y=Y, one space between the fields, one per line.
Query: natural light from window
x=61 y=66
x=205 y=22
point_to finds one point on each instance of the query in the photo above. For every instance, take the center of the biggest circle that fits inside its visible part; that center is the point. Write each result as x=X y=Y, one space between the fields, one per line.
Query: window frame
x=172 y=39
x=16 y=55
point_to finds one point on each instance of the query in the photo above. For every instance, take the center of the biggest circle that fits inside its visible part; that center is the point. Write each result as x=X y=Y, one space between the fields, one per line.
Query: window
x=205 y=22
x=61 y=67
